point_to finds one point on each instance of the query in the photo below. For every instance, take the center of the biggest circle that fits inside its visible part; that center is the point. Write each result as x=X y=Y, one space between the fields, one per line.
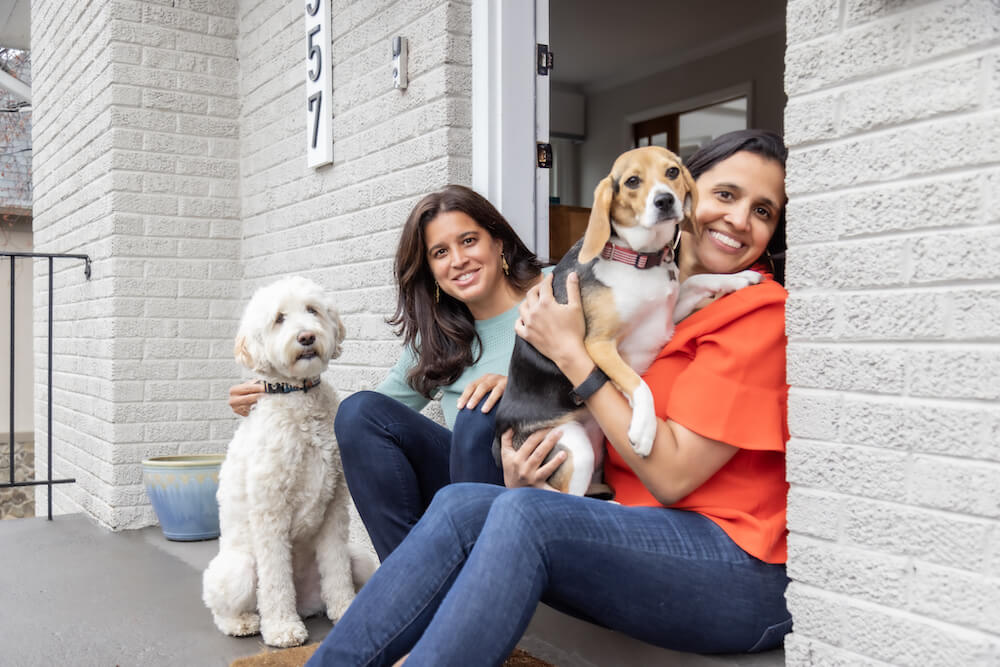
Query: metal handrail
x=86 y=270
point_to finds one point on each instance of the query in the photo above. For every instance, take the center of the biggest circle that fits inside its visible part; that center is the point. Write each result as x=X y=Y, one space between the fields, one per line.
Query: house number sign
x=319 y=89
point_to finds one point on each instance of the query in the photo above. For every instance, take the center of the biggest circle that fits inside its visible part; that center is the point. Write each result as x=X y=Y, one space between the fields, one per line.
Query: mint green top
x=497 y=336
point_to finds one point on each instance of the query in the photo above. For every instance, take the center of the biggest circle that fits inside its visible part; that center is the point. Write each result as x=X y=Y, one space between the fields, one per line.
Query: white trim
x=542 y=105
x=504 y=99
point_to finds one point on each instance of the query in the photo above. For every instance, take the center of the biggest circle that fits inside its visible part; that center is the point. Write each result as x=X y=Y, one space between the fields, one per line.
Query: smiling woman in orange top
x=691 y=556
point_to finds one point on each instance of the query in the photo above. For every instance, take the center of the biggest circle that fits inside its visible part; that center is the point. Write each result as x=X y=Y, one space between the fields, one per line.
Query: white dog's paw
x=745 y=279
x=239 y=626
x=335 y=611
x=642 y=430
x=284 y=633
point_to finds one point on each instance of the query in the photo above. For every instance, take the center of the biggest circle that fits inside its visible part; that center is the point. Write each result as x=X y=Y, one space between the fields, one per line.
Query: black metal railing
x=48 y=481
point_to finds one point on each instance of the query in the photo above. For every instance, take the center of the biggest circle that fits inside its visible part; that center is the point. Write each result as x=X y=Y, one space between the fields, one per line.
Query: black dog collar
x=287 y=388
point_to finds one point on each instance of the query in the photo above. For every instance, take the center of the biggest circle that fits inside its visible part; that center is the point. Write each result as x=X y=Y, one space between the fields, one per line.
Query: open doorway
x=665 y=72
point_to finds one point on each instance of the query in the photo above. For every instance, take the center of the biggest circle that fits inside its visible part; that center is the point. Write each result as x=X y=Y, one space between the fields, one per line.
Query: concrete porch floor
x=76 y=594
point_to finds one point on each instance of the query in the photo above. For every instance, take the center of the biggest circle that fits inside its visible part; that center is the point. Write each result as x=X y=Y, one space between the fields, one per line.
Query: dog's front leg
x=333 y=556
x=280 y=624
x=710 y=285
x=642 y=428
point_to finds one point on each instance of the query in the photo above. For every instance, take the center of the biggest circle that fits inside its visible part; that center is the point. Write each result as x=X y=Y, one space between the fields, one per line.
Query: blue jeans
x=461 y=589
x=396 y=459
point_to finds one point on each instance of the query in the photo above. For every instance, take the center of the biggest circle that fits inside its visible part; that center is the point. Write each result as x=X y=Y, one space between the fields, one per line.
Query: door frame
x=510 y=114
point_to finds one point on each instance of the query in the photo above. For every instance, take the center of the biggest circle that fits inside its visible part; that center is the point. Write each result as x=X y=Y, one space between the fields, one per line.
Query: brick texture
x=136 y=165
x=893 y=124
x=340 y=224
x=170 y=147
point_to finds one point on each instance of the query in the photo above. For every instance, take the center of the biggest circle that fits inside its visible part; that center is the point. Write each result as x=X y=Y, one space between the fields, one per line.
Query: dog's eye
x=280 y=318
x=633 y=182
x=311 y=310
x=673 y=172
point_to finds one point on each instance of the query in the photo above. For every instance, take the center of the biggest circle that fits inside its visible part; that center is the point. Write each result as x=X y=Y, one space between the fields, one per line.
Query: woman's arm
x=242 y=397
x=395 y=385
x=681 y=460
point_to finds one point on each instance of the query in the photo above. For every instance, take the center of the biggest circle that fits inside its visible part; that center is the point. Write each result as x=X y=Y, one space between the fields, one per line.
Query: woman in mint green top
x=497 y=336
x=461 y=272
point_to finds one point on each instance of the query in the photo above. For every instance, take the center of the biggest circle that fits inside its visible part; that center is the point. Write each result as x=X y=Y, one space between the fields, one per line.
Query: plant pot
x=182 y=490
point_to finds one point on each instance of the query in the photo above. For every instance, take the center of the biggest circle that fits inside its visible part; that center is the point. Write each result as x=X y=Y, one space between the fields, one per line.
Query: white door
x=510 y=113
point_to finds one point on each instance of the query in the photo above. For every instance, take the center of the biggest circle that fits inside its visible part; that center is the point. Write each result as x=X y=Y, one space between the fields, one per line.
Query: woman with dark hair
x=461 y=272
x=691 y=555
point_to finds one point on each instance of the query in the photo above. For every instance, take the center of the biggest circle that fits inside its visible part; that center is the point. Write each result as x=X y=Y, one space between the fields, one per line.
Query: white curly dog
x=283 y=502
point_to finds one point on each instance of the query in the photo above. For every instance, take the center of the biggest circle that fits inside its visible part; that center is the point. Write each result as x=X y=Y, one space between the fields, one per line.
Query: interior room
x=660 y=72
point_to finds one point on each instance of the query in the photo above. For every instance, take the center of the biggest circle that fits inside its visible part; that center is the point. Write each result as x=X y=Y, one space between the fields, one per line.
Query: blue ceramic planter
x=182 y=490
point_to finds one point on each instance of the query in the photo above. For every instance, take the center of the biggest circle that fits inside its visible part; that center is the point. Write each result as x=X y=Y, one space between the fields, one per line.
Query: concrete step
x=566 y=641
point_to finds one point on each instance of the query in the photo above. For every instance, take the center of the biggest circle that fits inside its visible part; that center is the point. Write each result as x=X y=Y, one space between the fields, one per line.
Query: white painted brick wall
x=137 y=165
x=340 y=224
x=170 y=148
x=893 y=121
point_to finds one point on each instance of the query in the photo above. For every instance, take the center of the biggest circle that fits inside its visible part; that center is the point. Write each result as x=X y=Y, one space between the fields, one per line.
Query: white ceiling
x=599 y=44
x=15 y=24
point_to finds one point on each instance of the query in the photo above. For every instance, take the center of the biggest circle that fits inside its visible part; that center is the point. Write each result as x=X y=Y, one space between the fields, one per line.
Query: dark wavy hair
x=764 y=143
x=442 y=334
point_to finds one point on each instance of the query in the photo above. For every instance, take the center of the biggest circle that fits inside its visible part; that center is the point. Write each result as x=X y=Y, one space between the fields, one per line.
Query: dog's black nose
x=664 y=201
x=307 y=338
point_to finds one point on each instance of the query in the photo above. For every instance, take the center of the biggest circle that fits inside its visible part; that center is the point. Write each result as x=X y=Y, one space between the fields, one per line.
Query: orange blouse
x=722 y=375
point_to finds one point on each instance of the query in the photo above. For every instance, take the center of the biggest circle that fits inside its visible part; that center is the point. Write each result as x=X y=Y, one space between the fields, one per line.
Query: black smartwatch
x=586 y=389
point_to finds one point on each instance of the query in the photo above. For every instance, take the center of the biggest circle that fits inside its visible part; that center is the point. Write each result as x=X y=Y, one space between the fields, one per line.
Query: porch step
x=569 y=642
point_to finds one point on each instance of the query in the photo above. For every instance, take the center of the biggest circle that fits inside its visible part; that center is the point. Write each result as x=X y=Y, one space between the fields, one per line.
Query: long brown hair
x=442 y=333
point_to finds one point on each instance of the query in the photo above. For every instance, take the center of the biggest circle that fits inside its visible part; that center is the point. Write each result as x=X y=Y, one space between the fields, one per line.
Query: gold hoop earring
x=437 y=292
x=506 y=266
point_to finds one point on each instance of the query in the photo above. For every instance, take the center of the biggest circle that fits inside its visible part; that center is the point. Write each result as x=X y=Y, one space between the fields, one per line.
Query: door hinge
x=545 y=62
x=544 y=155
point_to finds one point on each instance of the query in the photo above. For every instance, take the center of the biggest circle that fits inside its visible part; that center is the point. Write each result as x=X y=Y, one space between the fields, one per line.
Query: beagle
x=628 y=290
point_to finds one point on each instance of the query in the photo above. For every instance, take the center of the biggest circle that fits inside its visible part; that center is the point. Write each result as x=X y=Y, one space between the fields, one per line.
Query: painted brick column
x=136 y=163
x=893 y=121
x=340 y=224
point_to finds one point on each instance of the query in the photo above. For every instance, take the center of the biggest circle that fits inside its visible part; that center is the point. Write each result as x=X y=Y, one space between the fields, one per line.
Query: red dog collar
x=640 y=260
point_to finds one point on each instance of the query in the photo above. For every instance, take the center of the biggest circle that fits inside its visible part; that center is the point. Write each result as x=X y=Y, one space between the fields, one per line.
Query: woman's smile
x=727 y=242
x=466 y=263
x=739 y=203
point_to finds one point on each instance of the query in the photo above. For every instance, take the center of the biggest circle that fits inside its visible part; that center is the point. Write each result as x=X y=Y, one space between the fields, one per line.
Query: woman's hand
x=524 y=466
x=244 y=396
x=554 y=329
x=491 y=384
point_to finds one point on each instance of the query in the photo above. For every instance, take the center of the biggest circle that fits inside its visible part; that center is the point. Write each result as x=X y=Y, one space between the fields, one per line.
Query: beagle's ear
x=690 y=201
x=599 y=226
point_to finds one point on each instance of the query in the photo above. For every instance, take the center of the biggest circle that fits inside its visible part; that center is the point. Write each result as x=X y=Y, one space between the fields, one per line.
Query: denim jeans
x=462 y=587
x=396 y=459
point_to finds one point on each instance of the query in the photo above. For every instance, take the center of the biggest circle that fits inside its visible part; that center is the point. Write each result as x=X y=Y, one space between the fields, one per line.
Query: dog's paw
x=335 y=611
x=745 y=279
x=642 y=429
x=239 y=626
x=285 y=633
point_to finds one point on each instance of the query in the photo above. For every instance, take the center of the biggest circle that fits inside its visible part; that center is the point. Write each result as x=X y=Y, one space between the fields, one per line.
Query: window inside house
x=686 y=131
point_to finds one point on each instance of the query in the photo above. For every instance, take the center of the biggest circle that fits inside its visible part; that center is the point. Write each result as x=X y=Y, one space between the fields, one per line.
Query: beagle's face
x=650 y=187
x=642 y=201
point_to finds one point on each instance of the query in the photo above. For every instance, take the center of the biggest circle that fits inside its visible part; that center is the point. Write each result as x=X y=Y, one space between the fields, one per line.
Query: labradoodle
x=283 y=503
